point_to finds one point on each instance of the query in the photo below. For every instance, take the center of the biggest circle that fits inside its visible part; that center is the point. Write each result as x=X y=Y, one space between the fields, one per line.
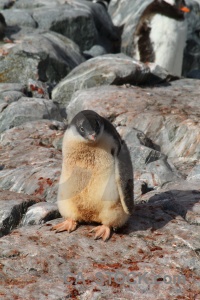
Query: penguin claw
x=68 y=225
x=102 y=231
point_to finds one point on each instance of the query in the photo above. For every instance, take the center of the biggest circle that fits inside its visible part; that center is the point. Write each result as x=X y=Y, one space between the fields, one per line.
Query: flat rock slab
x=156 y=254
x=12 y=208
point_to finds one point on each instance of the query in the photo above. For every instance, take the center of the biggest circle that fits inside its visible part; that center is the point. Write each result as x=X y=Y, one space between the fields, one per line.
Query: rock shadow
x=163 y=208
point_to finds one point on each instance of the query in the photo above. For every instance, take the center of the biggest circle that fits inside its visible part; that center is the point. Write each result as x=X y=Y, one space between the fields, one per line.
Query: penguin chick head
x=88 y=125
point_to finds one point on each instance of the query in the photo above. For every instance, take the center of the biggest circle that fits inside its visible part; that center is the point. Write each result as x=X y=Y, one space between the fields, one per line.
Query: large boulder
x=110 y=69
x=45 y=56
x=28 y=109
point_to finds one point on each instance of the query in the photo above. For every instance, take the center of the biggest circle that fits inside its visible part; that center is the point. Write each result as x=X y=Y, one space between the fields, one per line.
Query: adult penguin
x=160 y=35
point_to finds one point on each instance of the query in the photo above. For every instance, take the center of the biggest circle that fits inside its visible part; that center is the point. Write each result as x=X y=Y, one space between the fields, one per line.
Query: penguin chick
x=160 y=35
x=96 y=183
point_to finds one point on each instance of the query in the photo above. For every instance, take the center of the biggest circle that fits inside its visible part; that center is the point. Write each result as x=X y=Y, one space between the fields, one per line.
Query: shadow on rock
x=163 y=208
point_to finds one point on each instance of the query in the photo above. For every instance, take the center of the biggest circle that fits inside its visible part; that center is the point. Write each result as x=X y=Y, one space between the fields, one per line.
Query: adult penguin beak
x=184 y=9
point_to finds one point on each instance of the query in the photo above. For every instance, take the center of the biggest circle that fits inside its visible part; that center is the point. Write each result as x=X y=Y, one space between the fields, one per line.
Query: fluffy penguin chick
x=96 y=183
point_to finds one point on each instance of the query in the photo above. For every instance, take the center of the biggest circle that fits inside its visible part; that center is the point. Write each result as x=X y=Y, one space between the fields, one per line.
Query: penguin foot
x=68 y=225
x=102 y=231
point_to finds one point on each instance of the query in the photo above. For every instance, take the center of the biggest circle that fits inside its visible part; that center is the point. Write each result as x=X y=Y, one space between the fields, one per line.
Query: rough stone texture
x=73 y=22
x=40 y=213
x=45 y=56
x=19 y=17
x=24 y=4
x=128 y=13
x=111 y=69
x=12 y=208
x=168 y=115
x=84 y=22
x=29 y=162
x=28 y=109
x=157 y=245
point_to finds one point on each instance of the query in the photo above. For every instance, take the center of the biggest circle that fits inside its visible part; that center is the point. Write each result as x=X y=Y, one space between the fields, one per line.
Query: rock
x=11 y=96
x=158 y=249
x=194 y=74
x=149 y=165
x=3 y=105
x=40 y=213
x=111 y=69
x=195 y=173
x=71 y=21
x=28 y=109
x=84 y=22
x=23 y=4
x=31 y=164
x=12 y=207
x=6 y=87
x=19 y=17
x=167 y=115
x=4 y=4
x=96 y=50
x=43 y=56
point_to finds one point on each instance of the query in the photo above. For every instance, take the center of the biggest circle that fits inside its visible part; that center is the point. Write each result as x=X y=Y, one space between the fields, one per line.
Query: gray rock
x=4 y=4
x=157 y=243
x=96 y=50
x=11 y=96
x=28 y=109
x=84 y=22
x=40 y=213
x=6 y=87
x=19 y=17
x=73 y=22
x=195 y=173
x=12 y=208
x=45 y=56
x=150 y=165
x=3 y=105
x=111 y=69
x=24 y=4
x=33 y=165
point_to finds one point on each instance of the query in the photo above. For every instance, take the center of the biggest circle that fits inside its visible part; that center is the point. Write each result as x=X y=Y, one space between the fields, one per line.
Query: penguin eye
x=81 y=129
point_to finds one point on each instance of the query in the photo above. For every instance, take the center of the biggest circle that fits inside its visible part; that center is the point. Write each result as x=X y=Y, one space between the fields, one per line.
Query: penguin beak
x=92 y=137
x=185 y=9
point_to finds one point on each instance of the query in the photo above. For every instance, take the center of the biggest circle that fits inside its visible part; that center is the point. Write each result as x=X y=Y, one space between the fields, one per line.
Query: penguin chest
x=89 y=184
x=168 y=38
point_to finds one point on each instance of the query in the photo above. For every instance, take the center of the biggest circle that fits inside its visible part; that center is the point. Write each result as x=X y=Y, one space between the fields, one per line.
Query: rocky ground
x=57 y=58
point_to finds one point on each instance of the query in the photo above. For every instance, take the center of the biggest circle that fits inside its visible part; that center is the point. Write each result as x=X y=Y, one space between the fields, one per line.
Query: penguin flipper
x=124 y=178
